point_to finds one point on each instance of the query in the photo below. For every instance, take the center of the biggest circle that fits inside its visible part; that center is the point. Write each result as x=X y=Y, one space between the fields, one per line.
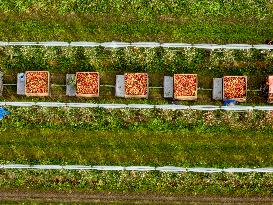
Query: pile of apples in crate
x=87 y=83
x=234 y=87
x=185 y=85
x=136 y=84
x=37 y=82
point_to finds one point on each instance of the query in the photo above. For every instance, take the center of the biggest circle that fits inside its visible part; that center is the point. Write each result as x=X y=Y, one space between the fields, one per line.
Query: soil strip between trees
x=110 y=197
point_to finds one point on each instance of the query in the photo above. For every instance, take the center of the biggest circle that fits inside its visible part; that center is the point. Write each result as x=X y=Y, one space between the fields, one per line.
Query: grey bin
x=120 y=86
x=70 y=85
x=168 y=87
x=217 y=93
x=21 y=84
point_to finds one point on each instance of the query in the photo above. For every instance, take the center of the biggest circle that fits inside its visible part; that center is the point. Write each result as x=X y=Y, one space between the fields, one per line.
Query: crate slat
x=270 y=89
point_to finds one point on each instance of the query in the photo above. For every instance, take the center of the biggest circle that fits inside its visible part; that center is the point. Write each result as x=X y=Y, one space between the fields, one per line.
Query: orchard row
x=136 y=85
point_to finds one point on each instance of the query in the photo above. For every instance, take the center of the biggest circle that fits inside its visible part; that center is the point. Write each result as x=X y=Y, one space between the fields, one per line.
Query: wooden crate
x=37 y=94
x=86 y=94
x=185 y=97
x=126 y=83
x=239 y=99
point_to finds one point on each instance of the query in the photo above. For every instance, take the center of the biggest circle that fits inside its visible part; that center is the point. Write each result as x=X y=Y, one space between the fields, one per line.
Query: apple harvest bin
x=235 y=87
x=87 y=84
x=185 y=86
x=37 y=83
x=136 y=85
x=270 y=89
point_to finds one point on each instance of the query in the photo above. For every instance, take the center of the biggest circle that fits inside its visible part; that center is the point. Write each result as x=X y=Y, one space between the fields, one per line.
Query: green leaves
x=133 y=119
x=150 y=184
x=144 y=8
x=133 y=59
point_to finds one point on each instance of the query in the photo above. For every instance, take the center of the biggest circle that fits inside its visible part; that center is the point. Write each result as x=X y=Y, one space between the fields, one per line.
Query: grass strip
x=186 y=147
x=52 y=26
x=34 y=135
x=192 y=184
x=136 y=119
x=239 y=8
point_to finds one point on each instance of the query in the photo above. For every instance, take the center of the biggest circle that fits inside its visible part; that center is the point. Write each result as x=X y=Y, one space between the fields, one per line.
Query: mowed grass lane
x=186 y=148
x=214 y=21
x=132 y=28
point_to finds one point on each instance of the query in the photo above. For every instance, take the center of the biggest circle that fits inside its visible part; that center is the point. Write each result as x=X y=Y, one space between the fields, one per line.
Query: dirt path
x=87 y=197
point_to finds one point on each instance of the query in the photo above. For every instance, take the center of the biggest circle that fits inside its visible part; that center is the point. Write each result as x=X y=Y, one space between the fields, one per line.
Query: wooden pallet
x=185 y=97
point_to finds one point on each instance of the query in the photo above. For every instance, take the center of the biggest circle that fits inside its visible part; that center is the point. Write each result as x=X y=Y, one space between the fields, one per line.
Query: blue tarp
x=229 y=102
x=3 y=112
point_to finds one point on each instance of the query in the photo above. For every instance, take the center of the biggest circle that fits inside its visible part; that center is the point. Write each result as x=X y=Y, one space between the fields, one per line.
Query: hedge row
x=223 y=184
x=238 y=8
x=136 y=119
x=153 y=60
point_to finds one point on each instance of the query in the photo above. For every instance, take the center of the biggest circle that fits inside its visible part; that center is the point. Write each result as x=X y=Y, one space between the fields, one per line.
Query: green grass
x=172 y=184
x=239 y=8
x=56 y=136
x=136 y=119
x=131 y=28
x=96 y=28
x=62 y=60
x=136 y=137
x=194 y=21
